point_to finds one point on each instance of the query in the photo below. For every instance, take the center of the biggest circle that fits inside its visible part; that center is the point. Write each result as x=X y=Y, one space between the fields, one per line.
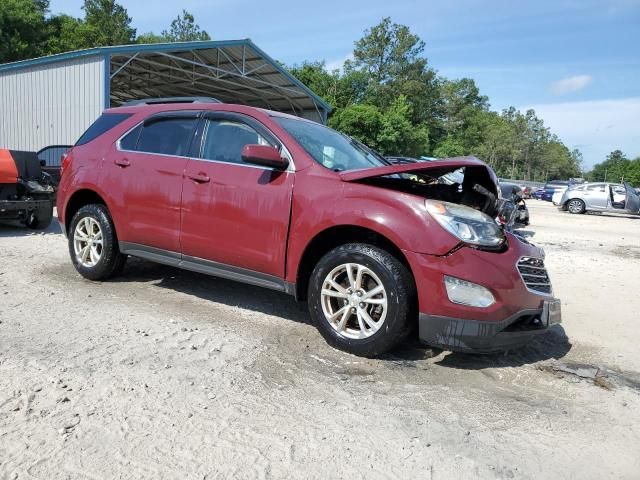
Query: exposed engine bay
x=470 y=185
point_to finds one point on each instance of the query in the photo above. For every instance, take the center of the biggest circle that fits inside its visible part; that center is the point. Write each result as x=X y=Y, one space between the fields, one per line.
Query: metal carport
x=51 y=100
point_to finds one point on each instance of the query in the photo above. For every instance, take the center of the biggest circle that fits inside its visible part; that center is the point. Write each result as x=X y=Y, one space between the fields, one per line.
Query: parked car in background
x=538 y=193
x=274 y=200
x=601 y=197
x=51 y=158
x=552 y=187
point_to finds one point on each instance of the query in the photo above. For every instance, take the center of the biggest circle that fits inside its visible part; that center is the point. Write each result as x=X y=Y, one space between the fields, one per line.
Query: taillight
x=65 y=162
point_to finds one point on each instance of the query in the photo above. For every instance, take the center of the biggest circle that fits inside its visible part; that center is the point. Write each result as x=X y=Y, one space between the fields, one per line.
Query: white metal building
x=52 y=100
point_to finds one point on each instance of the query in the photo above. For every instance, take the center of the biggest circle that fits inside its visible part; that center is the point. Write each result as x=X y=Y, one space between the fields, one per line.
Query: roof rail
x=156 y=101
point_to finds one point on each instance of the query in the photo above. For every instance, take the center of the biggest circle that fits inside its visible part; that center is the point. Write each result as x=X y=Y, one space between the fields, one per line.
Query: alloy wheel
x=575 y=206
x=87 y=242
x=354 y=301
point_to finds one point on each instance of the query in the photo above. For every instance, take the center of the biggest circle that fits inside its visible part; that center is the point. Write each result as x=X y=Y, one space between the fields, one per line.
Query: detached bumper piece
x=487 y=337
x=17 y=209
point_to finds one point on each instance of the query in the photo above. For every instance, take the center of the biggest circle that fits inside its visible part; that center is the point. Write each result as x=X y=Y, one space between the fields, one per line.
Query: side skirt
x=208 y=267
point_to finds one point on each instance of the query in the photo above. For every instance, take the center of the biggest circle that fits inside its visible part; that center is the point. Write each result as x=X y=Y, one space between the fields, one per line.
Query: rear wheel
x=575 y=206
x=362 y=299
x=93 y=245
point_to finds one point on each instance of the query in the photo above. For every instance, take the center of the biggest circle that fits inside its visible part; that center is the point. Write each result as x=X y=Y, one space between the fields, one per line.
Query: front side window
x=225 y=139
x=168 y=136
x=330 y=148
x=598 y=187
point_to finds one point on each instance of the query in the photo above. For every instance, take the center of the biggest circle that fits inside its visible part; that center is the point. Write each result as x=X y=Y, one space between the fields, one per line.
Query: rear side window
x=168 y=136
x=104 y=123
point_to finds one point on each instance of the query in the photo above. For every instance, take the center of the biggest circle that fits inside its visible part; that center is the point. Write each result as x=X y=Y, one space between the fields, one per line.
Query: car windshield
x=329 y=148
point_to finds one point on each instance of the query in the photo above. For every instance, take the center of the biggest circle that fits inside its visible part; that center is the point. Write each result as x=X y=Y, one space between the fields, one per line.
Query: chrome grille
x=534 y=275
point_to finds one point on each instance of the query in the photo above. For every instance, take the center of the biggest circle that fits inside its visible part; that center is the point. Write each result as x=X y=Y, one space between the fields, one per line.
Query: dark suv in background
x=281 y=202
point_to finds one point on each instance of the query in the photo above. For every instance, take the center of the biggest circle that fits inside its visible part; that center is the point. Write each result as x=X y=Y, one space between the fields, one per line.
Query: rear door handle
x=199 y=178
x=122 y=162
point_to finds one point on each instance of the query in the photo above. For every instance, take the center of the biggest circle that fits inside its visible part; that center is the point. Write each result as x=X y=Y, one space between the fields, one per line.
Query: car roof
x=153 y=108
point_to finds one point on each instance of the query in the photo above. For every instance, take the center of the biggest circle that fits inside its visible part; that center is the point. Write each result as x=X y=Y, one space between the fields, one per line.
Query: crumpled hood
x=479 y=178
x=435 y=168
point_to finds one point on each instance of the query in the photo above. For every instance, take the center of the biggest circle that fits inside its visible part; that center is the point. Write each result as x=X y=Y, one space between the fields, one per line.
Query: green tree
x=66 y=33
x=613 y=169
x=389 y=51
x=151 y=37
x=22 y=29
x=363 y=122
x=339 y=90
x=108 y=22
x=391 y=59
x=398 y=136
x=184 y=29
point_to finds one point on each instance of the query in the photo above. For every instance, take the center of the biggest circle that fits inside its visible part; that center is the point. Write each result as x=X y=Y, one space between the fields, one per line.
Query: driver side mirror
x=264 y=155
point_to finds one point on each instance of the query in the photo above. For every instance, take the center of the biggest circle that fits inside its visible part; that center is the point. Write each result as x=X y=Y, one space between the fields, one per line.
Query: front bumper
x=518 y=314
x=475 y=336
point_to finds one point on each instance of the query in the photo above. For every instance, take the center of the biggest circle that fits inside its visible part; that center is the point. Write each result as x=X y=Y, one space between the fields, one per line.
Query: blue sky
x=577 y=62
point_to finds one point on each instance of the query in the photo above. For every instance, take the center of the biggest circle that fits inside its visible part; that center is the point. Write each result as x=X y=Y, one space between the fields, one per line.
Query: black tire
x=401 y=298
x=576 y=206
x=41 y=218
x=111 y=261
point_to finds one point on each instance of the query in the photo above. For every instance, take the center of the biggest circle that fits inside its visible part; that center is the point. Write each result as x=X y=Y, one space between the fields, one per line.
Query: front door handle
x=122 y=162
x=200 y=178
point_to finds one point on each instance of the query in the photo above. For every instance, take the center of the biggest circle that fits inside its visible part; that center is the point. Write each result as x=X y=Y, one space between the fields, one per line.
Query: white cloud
x=570 y=84
x=595 y=127
x=332 y=65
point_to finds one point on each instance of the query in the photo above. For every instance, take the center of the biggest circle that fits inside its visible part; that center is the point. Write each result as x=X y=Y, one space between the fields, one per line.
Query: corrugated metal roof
x=232 y=70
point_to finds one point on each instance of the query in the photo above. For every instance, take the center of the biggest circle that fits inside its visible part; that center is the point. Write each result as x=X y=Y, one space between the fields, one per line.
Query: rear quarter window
x=103 y=124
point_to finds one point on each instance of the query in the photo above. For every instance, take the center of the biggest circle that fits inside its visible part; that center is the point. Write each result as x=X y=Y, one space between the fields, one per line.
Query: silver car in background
x=600 y=197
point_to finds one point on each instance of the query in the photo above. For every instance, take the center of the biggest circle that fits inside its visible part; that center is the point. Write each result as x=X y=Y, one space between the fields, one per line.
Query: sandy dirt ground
x=169 y=374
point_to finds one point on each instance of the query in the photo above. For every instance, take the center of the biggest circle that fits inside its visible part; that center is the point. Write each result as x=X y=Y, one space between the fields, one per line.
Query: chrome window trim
x=290 y=168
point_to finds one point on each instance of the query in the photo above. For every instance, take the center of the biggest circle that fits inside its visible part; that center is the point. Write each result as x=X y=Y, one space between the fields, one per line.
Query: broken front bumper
x=18 y=209
x=476 y=336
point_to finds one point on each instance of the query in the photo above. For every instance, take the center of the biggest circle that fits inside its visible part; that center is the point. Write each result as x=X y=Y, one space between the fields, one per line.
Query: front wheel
x=362 y=299
x=575 y=206
x=93 y=245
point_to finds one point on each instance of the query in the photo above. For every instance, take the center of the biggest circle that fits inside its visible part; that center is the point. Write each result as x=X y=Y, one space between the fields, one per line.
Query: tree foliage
x=389 y=98
x=108 y=23
x=617 y=168
x=27 y=30
x=185 y=29
x=22 y=29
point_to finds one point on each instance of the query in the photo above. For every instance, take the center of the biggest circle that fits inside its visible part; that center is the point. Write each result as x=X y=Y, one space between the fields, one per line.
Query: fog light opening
x=468 y=293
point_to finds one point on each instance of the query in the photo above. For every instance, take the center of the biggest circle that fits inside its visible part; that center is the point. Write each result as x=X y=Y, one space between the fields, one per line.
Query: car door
x=234 y=213
x=632 y=200
x=147 y=170
x=596 y=196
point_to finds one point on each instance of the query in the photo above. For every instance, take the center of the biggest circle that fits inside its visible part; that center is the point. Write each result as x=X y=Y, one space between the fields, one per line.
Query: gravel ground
x=169 y=374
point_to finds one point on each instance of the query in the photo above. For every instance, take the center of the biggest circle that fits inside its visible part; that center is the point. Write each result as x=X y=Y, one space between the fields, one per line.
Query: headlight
x=469 y=225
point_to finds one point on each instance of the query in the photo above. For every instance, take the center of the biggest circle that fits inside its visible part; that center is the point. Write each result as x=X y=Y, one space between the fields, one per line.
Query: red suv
x=277 y=201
